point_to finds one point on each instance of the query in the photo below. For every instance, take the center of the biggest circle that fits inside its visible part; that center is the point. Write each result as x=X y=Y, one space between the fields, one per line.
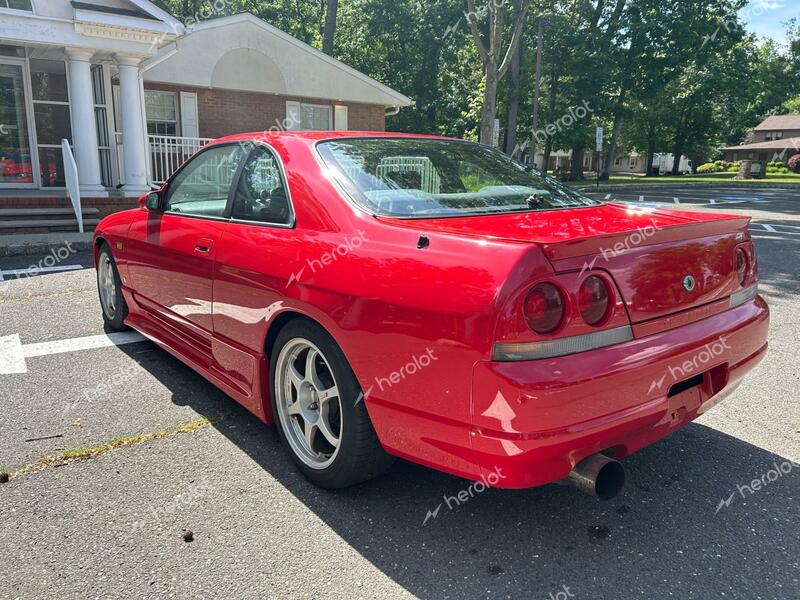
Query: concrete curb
x=36 y=244
x=696 y=184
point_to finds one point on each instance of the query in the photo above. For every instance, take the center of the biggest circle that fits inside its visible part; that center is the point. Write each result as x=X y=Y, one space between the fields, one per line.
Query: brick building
x=105 y=99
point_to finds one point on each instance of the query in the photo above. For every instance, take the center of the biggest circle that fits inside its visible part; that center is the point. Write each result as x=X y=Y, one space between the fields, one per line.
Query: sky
x=766 y=18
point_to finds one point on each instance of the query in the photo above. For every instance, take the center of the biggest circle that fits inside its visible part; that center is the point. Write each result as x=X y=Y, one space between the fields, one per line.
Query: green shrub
x=709 y=168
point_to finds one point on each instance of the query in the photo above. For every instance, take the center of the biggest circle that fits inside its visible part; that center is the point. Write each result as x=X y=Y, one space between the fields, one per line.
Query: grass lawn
x=707 y=178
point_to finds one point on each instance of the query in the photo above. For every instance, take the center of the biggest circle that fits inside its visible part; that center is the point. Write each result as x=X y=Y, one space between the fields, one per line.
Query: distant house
x=776 y=138
x=562 y=159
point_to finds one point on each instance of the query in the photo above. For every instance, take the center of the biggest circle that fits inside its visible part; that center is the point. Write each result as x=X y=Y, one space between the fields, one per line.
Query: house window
x=300 y=116
x=17 y=4
x=774 y=135
x=618 y=162
x=101 y=121
x=632 y=163
x=162 y=113
x=51 y=113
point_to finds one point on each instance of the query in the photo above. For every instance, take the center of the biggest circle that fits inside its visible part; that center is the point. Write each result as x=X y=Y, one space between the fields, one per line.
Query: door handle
x=203 y=246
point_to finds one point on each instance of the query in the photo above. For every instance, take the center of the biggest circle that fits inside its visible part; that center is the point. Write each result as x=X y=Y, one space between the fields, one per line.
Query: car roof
x=314 y=136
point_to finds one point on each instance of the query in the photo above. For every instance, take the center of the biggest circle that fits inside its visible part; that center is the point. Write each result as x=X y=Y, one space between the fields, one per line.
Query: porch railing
x=168 y=153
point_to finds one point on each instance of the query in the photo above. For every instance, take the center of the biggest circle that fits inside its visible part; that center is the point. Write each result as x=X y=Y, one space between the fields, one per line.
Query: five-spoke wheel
x=308 y=403
x=320 y=410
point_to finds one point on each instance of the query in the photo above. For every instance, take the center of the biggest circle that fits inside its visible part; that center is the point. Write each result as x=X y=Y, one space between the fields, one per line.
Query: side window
x=202 y=187
x=262 y=195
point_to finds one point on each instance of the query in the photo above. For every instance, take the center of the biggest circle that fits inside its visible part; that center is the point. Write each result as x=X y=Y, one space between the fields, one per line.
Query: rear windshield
x=402 y=177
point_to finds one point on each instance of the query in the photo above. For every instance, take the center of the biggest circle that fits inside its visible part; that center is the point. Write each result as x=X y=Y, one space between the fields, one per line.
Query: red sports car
x=380 y=295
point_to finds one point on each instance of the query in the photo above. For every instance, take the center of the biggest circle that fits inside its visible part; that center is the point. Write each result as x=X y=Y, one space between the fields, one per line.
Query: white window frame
x=32 y=135
x=177 y=120
x=341 y=117
x=33 y=104
x=20 y=11
x=292 y=105
x=632 y=162
x=774 y=136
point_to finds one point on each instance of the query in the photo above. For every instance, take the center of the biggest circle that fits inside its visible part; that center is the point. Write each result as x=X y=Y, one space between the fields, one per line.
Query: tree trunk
x=537 y=94
x=615 y=133
x=680 y=143
x=489 y=109
x=576 y=172
x=651 y=149
x=330 y=27
x=548 y=147
x=513 y=106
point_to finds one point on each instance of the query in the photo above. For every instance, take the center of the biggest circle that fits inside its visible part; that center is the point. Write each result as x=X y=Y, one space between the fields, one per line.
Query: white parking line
x=39 y=270
x=13 y=353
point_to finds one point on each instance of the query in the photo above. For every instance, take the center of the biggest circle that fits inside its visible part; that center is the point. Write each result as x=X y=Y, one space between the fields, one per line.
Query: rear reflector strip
x=744 y=296
x=507 y=352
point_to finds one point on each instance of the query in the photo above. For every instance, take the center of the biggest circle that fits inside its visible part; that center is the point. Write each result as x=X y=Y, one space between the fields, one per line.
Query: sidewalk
x=42 y=243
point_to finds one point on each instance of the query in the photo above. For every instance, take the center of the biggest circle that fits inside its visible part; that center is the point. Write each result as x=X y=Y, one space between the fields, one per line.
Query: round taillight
x=544 y=308
x=593 y=300
x=741 y=265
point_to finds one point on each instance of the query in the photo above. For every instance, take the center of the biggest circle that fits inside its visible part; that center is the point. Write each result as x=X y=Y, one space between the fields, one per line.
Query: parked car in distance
x=384 y=295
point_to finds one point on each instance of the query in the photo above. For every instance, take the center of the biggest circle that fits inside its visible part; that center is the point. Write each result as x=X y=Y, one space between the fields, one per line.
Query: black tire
x=113 y=317
x=360 y=456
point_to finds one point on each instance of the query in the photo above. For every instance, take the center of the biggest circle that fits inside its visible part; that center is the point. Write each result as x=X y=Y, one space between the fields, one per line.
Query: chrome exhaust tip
x=598 y=476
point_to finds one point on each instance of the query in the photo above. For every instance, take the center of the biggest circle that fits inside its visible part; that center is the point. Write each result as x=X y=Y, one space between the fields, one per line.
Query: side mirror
x=151 y=201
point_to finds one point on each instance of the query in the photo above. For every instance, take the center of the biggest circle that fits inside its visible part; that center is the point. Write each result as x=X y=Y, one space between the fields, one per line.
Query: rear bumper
x=534 y=421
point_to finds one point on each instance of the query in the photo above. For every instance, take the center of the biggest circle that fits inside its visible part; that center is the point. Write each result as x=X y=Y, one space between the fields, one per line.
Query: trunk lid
x=650 y=253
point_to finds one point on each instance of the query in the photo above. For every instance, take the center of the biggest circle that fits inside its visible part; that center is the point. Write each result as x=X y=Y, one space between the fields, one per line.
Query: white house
x=135 y=92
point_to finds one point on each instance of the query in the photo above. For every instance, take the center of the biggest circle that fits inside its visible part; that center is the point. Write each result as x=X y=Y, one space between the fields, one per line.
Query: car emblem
x=689 y=283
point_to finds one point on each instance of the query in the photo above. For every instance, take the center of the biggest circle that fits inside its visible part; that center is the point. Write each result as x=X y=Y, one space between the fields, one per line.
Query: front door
x=17 y=159
x=171 y=253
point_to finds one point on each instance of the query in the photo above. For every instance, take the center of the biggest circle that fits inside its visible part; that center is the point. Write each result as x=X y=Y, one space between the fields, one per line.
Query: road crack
x=82 y=453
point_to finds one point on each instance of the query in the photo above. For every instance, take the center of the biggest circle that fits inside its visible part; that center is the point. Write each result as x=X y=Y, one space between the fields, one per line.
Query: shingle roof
x=780 y=122
x=774 y=145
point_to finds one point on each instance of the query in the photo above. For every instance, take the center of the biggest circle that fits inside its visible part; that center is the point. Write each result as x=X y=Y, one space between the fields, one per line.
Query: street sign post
x=599 y=153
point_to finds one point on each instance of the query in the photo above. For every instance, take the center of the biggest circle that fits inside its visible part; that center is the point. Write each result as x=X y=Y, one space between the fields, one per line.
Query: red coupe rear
x=382 y=295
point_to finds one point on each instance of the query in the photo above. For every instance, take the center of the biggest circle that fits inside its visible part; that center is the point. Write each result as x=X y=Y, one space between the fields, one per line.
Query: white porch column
x=134 y=141
x=84 y=127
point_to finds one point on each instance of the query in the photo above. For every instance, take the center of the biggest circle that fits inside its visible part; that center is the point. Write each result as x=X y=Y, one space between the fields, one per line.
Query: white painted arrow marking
x=13 y=353
x=12 y=360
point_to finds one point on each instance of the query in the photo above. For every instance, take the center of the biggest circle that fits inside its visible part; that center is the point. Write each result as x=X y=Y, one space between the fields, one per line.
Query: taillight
x=593 y=300
x=544 y=308
x=741 y=266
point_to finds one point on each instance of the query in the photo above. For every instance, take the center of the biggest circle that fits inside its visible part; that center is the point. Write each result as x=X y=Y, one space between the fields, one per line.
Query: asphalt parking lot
x=689 y=524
